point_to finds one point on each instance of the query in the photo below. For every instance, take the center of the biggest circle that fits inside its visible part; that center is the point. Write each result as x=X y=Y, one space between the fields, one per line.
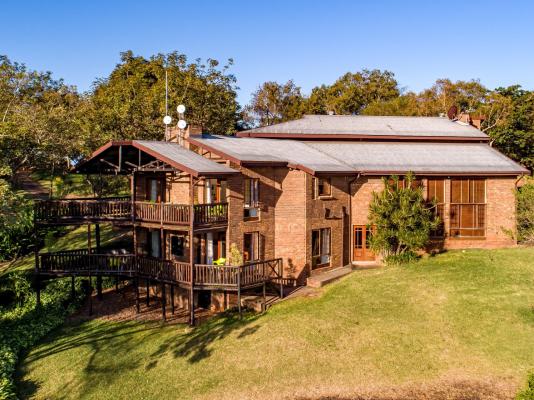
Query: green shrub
x=22 y=326
x=525 y=212
x=528 y=392
x=16 y=223
x=401 y=220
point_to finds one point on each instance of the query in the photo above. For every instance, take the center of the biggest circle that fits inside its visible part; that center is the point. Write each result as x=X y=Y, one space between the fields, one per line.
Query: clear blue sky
x=312 y=42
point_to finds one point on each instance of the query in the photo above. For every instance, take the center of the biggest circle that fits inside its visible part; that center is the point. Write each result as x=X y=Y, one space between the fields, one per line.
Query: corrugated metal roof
x=366 y=157
x=420 y=157
x=182 y=158
x=255 y=150
x=363 y=125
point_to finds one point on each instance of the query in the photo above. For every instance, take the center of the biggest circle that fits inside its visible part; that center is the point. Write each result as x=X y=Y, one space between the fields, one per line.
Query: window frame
x=316 y=184
x=251 y=207
x=256 y=238
x=439 y=208
x=468 y=201
x=317 y=258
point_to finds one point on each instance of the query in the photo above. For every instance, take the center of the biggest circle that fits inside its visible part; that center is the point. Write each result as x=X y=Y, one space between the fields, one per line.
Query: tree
x=40 y=125
x=402 y=219
x=130 y=103
x=275 y=102
x=352 y=92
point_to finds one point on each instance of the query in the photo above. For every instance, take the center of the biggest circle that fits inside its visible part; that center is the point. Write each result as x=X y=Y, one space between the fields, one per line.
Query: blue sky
x=312 y=42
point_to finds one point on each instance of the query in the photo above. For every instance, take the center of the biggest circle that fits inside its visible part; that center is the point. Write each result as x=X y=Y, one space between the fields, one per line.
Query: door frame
x=366 y=253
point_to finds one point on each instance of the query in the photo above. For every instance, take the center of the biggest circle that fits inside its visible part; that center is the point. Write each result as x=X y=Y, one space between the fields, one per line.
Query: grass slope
x=460 y=315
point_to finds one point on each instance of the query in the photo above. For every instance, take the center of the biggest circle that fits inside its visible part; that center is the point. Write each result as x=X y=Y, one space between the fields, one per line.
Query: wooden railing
x=119 y=208
x=85 y=208
x=81 y=262
x=211 y=213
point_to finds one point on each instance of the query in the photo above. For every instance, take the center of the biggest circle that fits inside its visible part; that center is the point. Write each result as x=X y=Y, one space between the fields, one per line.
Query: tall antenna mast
x=167 y=118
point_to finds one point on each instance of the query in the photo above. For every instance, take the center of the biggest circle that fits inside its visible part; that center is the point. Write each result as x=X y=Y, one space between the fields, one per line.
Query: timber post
x=280 y=274
x=264 y=300
x=239 y=291
x=98 y=276
x=191 y=250
x=172 y=299
x=137 y=306
x=37 y=276
x=163 y=302
x=147 y=292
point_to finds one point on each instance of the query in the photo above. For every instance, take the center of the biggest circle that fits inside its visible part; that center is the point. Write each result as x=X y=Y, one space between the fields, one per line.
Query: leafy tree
x=275 y=102
x=402 y=219
x=130 y=103
x=352 y=92
x=525 y=212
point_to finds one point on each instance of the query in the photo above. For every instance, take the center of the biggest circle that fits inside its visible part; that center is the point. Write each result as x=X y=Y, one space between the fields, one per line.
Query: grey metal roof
x=363 y=125
x=366 y=157
x=398 y=157
x=256 y=150
x=182 y=158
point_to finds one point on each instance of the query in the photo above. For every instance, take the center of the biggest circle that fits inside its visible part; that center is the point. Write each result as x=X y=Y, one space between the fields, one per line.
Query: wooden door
x=361 y=251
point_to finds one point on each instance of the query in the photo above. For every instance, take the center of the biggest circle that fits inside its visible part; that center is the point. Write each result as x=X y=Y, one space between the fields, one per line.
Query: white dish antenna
x=167 y=119
x=180 y=109
x=182 y=124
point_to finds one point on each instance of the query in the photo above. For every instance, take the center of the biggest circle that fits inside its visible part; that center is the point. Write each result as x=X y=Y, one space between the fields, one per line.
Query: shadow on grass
x=115 y=349
x=197 y=344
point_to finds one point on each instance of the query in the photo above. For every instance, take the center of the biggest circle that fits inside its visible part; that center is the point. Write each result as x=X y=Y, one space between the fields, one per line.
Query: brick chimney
x=180 y=136
x=474 y=120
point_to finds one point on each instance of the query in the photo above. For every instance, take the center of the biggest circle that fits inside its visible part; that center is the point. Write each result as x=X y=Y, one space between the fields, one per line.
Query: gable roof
x=368 y=158
x=135 y=152
x=369 y=127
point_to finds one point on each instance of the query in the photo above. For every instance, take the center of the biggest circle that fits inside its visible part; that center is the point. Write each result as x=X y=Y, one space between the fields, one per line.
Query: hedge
x=24 y=325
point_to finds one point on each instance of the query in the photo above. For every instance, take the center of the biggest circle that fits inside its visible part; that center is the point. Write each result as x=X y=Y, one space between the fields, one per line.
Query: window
x=252 y=197
x=155 y=243
x=178 y=246
x=155 y=190
x=436 y=193
x=214 y=191
x=416 y=183
x=320 y=247
x=321 y=187
x=468 y=207
x=251 y=246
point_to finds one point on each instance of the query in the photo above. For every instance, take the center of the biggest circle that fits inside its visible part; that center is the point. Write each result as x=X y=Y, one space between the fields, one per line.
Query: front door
x=362 y=235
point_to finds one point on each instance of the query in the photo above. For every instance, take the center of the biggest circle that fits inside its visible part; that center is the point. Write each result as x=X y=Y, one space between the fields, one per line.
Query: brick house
x=293 y=198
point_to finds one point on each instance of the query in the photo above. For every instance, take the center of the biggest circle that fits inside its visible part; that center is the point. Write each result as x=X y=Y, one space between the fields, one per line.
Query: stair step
x=325 y=278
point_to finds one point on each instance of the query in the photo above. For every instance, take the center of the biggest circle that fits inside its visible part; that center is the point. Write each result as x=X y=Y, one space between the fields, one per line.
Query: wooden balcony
x=120 y=209
x=227 y=277
x=82 y=209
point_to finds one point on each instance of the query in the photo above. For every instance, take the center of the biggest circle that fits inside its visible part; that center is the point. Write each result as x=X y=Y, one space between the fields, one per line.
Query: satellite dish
x=182 y=124
x=167 y=119
x=180 y=109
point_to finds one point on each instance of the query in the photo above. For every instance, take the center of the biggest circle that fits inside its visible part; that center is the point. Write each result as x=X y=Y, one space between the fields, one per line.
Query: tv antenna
x=167 y=118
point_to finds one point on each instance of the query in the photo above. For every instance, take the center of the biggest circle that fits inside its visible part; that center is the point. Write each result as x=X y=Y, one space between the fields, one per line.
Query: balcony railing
x=81 y=262
x=119 y=208
x=109 y=208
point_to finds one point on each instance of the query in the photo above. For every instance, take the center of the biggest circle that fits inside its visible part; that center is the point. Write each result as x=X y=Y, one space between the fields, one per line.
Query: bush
x=528 y=393
x=16 y=223
x=402 y=218
x=23 y=325
x=525 y=212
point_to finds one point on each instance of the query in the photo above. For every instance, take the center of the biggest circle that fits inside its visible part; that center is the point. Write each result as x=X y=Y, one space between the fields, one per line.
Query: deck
x=224 y=277
x=119 y=209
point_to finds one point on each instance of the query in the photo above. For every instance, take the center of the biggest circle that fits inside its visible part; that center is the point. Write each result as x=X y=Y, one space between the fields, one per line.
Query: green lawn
x=459 y=315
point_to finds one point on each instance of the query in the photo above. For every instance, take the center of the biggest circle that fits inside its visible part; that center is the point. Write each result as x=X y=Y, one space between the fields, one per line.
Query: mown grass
x=466 y=315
